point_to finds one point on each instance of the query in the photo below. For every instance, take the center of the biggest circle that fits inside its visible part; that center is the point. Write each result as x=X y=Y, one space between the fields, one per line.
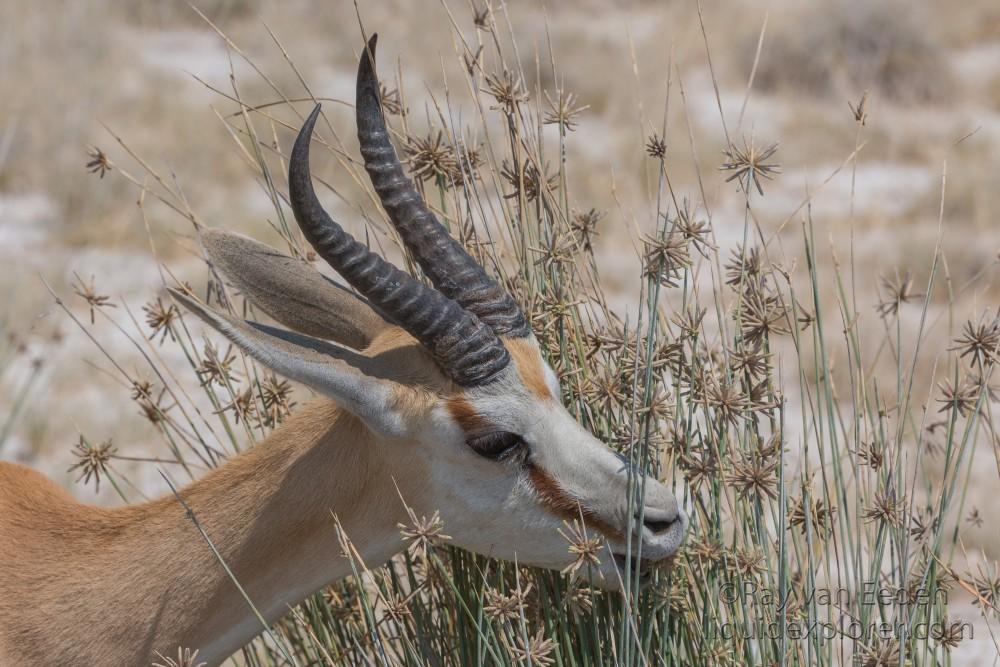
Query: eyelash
x=498 y=445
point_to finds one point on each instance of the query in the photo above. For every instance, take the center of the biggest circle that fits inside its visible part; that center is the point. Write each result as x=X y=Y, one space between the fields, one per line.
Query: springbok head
x=450 y=376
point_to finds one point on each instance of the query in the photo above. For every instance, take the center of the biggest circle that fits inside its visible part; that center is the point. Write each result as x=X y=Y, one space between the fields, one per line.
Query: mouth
x=629 y=565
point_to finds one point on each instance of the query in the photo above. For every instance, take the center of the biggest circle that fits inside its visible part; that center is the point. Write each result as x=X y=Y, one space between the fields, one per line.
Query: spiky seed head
x=749 y=164
x=92 y=460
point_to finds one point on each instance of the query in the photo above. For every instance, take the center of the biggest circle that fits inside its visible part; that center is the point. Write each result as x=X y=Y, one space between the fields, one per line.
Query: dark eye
x=496 y=445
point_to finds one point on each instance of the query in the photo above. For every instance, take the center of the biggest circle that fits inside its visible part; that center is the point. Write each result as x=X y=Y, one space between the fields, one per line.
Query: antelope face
x=514 y=466
x=449 y=379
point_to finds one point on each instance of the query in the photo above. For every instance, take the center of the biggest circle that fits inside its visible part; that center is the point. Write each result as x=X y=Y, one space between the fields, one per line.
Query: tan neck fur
x=102 y=586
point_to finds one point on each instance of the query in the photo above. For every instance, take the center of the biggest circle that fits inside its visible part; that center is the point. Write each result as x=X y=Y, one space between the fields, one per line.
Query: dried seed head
x=217 y=368
x=749 y=562
x=550 y=314
x=243 y=405
x=979 y=341
x=608 y=390
x=609 y=341
x=500 y=607
x=749 y=165
x=674 y=596
x=689 y=321
x=963 y=396
x=579 y=599
x=99 y=162
x=92 y=460
x=948 y=634
x=536 y=650
x=659 y=407
x=397 y=608
x=583 y=224
x=150 y=407
x=922 y=523
x=423 y=533
x=699 y=466
x=695 y=231
x=563 y=110
x=584 y=549
x=726 y=398
x=859 y=112
x=142 y=390
x=987 y=585
x=761 y=317
x=560 y=250
x=720 y=654
x=882 y=653
x=88 y=293
x=160 y=319
x=508 y=91
x=886 y=507
x=665 y=258
x=431 y=158
x=751 y=360
x=706 y=549
x=815 y=516
x=899 y=290
x=469 y=160
x=677 y=441
x=744 y=268
x=624 y=436
x=527 y=180
x=754 y=475
x=481 y=18
x=276 y=399
x=656 y=147
x=871 y=453
x=392 y=102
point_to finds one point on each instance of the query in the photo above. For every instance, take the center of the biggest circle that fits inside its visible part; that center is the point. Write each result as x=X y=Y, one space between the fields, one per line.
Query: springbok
x=436 y=396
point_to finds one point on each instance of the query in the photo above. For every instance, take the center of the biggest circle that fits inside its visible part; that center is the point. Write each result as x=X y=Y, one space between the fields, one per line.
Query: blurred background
x=157 y=76
x=877 y=108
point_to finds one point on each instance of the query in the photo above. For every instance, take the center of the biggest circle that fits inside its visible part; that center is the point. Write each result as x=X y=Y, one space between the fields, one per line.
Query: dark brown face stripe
x=466 y=416
x=529 y=365
x=555 y=499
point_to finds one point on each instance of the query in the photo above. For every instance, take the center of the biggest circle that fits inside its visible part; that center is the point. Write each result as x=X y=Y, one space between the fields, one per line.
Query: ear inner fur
x=291 y=291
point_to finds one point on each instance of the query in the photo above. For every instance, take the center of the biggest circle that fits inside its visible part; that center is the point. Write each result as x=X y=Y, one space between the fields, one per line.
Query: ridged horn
x=451 y=269
x=464 y=348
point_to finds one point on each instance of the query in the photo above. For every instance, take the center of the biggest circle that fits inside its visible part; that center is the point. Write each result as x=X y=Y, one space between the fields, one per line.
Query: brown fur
x=109 y=586
x=529 y=365
x=465 y=415
x=555 y=499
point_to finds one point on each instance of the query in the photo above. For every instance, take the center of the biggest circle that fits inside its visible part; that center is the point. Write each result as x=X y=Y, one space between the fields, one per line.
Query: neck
x=272 y=513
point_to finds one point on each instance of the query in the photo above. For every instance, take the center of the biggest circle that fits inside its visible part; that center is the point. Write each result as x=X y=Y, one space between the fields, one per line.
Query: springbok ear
x=291 y=291
x=345 y=376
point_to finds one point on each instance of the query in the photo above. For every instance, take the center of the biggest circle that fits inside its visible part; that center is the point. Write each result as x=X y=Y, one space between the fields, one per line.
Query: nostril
x=657 y=526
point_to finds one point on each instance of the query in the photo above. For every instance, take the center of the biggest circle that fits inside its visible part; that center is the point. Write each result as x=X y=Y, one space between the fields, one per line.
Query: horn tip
x=366 y=66
x=300 y=151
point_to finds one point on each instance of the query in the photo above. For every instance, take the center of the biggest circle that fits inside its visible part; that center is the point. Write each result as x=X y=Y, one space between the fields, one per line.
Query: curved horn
x=464 y=348
x=452 y=270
